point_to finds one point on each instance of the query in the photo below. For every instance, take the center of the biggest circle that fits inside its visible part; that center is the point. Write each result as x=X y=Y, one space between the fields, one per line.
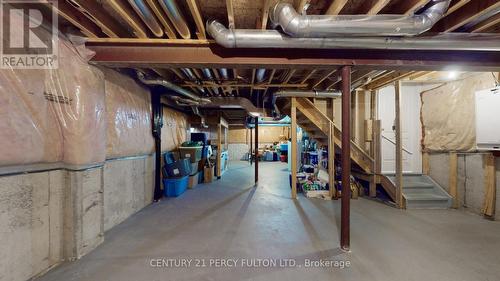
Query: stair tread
x=426 y=197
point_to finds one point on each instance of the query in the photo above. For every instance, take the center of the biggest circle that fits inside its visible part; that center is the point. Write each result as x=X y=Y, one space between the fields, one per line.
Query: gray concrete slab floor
x=232 y=219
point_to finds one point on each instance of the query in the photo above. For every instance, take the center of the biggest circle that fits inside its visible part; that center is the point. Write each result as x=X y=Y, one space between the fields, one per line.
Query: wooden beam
x=323 y=78
x=160 y=15
x=487 y=24
x=125 y=12
x=408 y=7
x=265 y=14
x=388 y=79
x=230 y=14
x=307 y=76
x=71 y=14
x=458 y=4
x=376 y=7
x=399 y=147
x=453 y=179
x=300 y=4
x=468 y=13
x=293 y=153
x=198 y=20
x=490 y=185
x=95 y=13
x=336 y=6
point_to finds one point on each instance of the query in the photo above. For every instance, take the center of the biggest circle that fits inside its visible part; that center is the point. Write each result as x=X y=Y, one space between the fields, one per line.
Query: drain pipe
x=157 y=111
x=171 y=86
x=297 y=25
x=196 y=112
x=307 y=94
x=256 y=38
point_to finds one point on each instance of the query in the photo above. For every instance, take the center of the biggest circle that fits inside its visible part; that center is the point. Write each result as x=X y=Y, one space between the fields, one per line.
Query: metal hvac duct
x=223 y=72
x=147 y=16
x=317 y=26
x=256 y=38
x=308 y=94
x=171 y=86
x=261 y=72
x=208 y=74
x=176 y=17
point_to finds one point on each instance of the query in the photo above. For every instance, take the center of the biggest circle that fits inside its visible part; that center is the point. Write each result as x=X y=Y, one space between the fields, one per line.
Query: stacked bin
x=175 y=175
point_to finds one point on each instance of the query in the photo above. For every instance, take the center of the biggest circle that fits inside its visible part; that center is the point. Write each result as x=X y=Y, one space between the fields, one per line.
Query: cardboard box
x=208 y=174
x=193 y=181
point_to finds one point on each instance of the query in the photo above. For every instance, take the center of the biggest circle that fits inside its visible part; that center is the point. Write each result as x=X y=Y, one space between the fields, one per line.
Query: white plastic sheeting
x=128 y=108
x=49 y=116
x=448 y=114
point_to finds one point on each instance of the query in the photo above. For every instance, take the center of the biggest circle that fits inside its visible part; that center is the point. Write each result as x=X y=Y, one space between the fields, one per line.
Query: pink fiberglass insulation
x=128 y=114
x=79 y=90
x=30 y=131
x=54 y=115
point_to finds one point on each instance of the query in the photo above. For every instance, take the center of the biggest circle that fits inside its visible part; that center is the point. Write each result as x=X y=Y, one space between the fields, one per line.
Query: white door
x=411 y=128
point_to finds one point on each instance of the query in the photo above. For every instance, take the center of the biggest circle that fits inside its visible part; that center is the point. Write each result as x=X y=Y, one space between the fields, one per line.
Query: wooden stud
x=219 y=150
x=453 y=179
x=74 y=16
x=490 y=185
x=487 y=24
x=331 y=162
x=293 y=153
x=230 y=14
x=336 y=6
x=198 y=20
x=468 y=13
x=377 y=147
x=459 y=4
x=265 y=14
x=95 y=13
x=378 y=7
x=399 y=147
x=426 y=163
x=328 y=74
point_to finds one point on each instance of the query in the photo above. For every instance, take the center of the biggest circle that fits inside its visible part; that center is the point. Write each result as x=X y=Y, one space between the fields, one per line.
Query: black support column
x=157 y=109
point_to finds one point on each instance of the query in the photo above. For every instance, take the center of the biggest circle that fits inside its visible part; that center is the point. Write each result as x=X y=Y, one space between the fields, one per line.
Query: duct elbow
x=284 y=15
x=222 y=35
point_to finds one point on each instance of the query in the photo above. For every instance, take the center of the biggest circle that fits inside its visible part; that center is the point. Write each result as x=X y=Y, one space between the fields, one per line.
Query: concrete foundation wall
x=470 y=179
x=53 y=216
x=128 y=187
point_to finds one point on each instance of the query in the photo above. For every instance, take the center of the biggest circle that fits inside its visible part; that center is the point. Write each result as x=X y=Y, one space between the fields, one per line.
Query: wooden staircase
x=318 y=126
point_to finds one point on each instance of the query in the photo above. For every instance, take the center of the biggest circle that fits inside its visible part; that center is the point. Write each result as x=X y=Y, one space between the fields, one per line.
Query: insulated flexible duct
x=317 y=26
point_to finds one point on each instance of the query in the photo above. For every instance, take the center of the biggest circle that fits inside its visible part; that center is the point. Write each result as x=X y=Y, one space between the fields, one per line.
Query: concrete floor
x=230 y=219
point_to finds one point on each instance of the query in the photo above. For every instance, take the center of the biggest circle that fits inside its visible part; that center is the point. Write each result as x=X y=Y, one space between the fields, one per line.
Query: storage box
x=179 y=168
x=208 y=174
x=174 y=187
x=193 y=181
x=194 y=168
x=193 y=153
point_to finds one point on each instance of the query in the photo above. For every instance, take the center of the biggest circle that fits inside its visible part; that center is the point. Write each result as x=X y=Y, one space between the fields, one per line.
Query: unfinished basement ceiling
x=114 y=19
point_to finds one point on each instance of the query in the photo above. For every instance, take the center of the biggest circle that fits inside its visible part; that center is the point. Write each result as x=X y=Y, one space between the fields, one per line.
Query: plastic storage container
x=169 y=157
x=179 y=168
x=194 y=168
x=193 y=153
x=174 y=187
